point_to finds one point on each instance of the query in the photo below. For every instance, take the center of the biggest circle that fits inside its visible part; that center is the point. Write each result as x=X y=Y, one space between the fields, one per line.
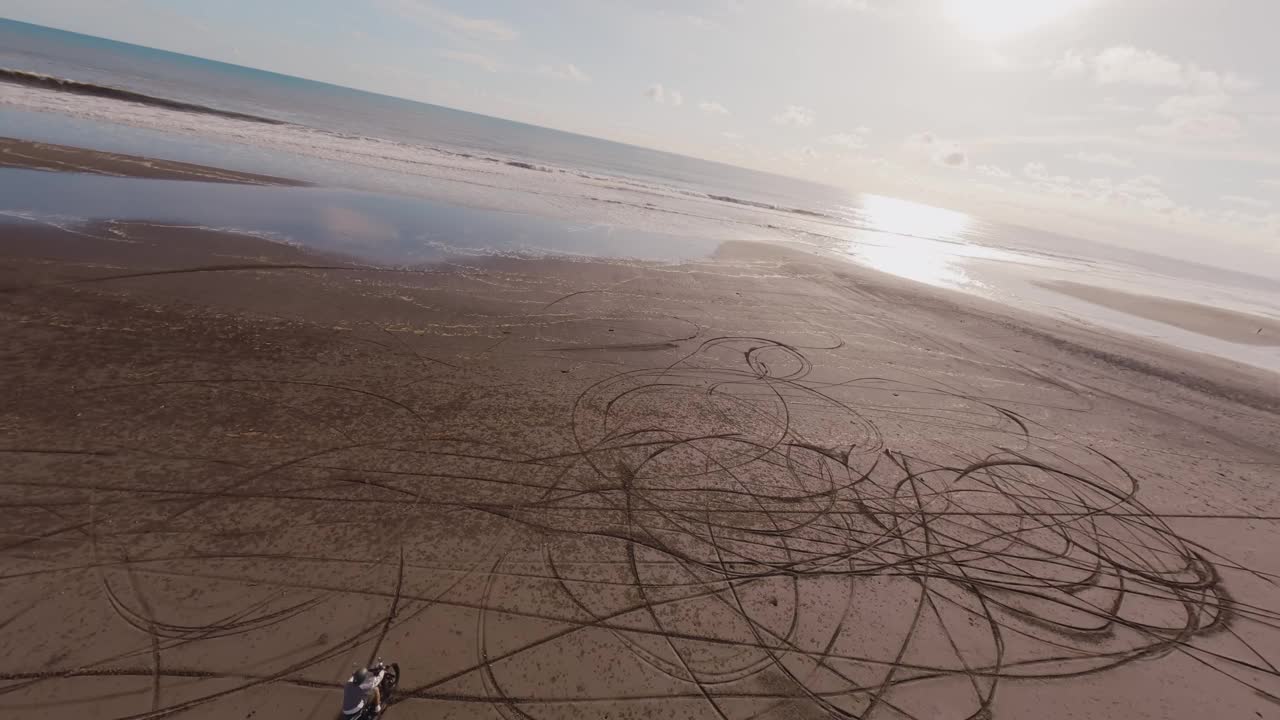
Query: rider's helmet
x=361 y=677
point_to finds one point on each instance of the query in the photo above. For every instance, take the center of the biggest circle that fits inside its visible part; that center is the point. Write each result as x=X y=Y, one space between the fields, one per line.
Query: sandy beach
x=764 y=485
x=33 y=155
x=1242 y=328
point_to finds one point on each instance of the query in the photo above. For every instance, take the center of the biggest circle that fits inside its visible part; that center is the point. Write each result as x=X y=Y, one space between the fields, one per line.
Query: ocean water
x=436 y=181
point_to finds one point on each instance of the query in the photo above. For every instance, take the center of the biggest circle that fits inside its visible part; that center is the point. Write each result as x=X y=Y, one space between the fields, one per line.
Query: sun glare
x=1001 y=18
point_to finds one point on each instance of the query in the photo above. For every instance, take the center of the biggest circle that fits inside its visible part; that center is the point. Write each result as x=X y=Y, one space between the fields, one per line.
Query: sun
x=1002 y=18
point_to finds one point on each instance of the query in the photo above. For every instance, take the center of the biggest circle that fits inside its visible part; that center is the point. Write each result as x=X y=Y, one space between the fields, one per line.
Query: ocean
x=404 y=182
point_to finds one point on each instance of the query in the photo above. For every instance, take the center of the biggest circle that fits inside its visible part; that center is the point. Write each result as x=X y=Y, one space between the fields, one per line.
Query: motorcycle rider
x=362 y=691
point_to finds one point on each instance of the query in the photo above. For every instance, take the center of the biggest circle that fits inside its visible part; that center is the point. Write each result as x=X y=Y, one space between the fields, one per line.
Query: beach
x=1235 y=327
x=27 y=154
x=755 y=485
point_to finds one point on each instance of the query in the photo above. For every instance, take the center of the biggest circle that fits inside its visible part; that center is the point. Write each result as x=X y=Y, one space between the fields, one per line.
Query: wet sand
x=760 y=486
x=27 y=154
x=1228 y=325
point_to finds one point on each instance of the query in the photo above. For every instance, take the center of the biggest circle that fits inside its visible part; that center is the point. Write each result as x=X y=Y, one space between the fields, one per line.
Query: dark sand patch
x=26 y=154
x=1214 y=322
x=231 y=470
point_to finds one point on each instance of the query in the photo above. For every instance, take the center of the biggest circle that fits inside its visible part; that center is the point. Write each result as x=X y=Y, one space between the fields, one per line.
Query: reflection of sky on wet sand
x=368 y=226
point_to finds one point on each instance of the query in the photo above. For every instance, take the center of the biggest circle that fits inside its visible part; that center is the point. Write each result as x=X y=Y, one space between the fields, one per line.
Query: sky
x=1154 y=119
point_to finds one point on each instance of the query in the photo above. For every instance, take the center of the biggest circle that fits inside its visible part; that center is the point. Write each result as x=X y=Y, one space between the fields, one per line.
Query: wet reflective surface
x=375 y=228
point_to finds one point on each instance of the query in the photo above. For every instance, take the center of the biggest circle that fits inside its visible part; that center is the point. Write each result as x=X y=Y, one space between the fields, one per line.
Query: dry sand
x=763 y=486
x=1236 y=327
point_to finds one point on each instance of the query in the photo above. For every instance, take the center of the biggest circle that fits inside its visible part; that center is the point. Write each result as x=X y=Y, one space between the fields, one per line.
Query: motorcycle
x=387 y=686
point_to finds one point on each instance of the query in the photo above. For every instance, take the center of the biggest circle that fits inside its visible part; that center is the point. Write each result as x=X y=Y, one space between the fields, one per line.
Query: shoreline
x=547 y=483
x=1240 y=328
x=76 y=87
x=32 y=155
x=1219 y=323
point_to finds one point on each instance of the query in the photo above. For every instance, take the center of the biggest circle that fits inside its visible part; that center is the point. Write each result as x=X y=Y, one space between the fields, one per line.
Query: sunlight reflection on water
x=915 y=241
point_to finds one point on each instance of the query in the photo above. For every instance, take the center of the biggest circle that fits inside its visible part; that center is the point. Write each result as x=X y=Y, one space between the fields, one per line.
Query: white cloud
x=941 y=152
x=1071 y=63
x=734 y=136
x=795 y=115
x=712 y=108
x=1101 y=158
x=1128 y=65
x=1115 y=107
x=1185 y=105
x=855 y=140
x=480 y=60
x=1213 y=127
x=1142 y=192
x=925 y=141
x=1210 y=82
x=1268 y=224
x=1270 y=182
x=1247 y=201
x=567 y=71
x=1035 y=170
x=428 y=15
x=993 y=171
x=802 y=155
x=1199 y=115
x=664 y=95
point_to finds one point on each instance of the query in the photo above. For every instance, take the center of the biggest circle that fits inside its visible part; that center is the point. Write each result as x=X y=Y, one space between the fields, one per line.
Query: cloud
x=1140 y=192
x=480 y=60
x=432 y=17
x=1115 y=107
x=992 y=171
x=1198 y=115
x=1213 y=127
x=1208 y=81
x=1270 y=182
x=941 y=152
x=1184 y=105
x=802 y=155
x=712 y=108
x=1268 y=223
x=795 y=115
x=734 y=136
x=1070 y=64
x=1036 y=171
x=1247 y=201
x=925 y=141
x=1101 y=158
x=1128 y=65
x=566 y=71
x=855 y=140
x=664 y=95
